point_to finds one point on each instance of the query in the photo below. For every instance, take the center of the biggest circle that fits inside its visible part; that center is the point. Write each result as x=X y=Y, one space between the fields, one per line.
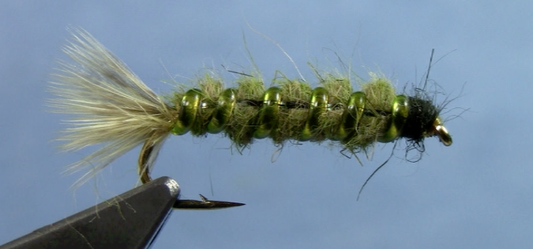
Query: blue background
x=478 y=193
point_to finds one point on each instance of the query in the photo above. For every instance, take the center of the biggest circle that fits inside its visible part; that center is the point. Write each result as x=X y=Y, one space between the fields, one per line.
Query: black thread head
x=419 y=123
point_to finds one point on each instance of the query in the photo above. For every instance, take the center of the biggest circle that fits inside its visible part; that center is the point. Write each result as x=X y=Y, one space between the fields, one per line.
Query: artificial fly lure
x=112 y=106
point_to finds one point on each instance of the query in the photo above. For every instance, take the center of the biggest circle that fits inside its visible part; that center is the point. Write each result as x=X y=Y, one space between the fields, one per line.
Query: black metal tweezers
x=130 y=220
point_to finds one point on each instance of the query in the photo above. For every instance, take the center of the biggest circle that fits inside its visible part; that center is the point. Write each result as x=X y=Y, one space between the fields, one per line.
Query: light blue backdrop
x=475 y=194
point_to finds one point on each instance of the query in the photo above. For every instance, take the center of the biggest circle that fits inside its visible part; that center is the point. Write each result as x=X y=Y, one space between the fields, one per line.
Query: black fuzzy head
x=419 y=122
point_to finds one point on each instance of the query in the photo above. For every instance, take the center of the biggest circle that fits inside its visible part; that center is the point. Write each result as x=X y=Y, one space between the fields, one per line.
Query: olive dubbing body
x=356 y=120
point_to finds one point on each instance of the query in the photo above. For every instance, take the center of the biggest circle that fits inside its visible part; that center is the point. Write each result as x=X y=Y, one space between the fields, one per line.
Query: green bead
x=317 y=105
x=400 y=111
x=269 y=113
x=189 y=109
x=225 y=105
x=351 y=116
